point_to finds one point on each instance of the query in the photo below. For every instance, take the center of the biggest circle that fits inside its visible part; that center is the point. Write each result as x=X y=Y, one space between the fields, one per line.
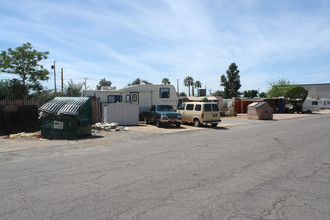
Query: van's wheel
x=196 y=123
x=214 y=125
x=158 y=124
x=178 y=125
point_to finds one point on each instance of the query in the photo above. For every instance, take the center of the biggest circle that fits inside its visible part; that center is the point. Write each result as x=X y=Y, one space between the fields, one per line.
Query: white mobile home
x=144 y=95
x=324 y=103
x=310 y=105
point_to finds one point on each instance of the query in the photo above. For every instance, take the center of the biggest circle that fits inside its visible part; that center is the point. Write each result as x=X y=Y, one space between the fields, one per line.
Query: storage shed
x=260 y=111
x=66 y=117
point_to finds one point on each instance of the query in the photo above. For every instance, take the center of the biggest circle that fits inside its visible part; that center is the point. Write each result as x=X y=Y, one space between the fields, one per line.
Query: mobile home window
x=328 y=103
x=114 y=98
x=315 y=103
x=128 y=98
x=164 y=92
x=134 y=98
x=190 y=107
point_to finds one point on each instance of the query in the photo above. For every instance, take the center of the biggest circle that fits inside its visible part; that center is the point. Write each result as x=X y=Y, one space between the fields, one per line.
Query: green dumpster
x=66 y=118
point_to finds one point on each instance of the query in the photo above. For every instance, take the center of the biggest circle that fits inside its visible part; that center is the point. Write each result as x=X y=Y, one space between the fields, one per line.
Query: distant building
x=317 y=91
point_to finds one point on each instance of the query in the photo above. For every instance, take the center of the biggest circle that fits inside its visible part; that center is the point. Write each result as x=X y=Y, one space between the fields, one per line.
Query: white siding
x=122 y=113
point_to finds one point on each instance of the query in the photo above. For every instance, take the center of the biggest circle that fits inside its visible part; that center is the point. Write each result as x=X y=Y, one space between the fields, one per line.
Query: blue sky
x=153 y=39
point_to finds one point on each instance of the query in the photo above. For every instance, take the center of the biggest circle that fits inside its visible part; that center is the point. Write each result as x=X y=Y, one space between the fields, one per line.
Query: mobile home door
x=135 y=97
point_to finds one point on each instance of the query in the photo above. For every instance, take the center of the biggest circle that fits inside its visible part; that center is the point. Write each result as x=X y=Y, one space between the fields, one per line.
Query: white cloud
x=123 y=40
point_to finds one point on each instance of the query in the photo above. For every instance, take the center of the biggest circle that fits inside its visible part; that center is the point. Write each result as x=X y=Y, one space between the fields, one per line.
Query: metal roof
x=199 y=98
x=64 y=105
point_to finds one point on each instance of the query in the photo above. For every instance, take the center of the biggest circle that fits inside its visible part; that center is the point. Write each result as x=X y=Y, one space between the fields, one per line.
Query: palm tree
x=198 y=84
x=188 y=81
x=166 y=81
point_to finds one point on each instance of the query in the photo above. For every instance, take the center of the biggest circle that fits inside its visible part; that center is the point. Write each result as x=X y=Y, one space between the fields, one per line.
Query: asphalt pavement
x=255 y=170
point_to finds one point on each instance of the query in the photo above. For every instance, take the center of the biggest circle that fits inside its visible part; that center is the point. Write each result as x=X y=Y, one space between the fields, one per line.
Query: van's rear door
x=211 y=112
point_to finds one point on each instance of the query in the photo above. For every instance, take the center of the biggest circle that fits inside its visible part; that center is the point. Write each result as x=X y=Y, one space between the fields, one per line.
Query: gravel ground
x=135 y=133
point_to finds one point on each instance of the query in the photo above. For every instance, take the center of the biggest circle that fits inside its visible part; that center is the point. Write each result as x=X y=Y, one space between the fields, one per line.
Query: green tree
x=188 y=81
x=232 y=82
x=250 y=93
x=262 y=95
x=297 y=95
x=24 y=62
x=12 y=89
x=198 y=85
x=182 y=94
x=204 y=99
x=103 y=82
x=138 y=81
x=166 y=81
x=46 y=94
x=279 y=87
x=73 y=89
x=219 y=93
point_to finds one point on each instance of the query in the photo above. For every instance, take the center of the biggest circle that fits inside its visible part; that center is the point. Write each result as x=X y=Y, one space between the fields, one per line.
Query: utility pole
x=85 y=83
x=177 y=86
x=62 y=78
x=53 y=67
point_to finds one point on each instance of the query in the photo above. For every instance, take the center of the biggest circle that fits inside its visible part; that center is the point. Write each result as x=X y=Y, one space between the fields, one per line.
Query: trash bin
x=66 y=118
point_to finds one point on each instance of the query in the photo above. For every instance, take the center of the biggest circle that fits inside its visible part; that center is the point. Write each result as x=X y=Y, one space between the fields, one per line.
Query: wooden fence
x=23 y=102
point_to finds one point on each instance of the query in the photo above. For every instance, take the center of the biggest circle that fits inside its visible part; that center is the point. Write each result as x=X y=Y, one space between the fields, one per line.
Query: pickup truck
x=162 y=114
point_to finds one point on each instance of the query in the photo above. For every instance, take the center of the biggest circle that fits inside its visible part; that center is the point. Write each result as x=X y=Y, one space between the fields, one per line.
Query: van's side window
x=164 y=92
x=198 y=107
x=207 y=108
x=115 y=98
x=190 y=107
x=181 y=107
x=215 y=107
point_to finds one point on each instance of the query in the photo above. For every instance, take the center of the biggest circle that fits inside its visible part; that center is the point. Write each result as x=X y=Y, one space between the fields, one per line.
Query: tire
x=178 y=125
x=197 y=123
x=214 y=125
x=158 y=124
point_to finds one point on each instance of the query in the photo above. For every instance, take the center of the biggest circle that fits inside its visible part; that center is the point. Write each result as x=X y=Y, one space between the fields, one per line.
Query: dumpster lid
x=64 y=105
x=257 y=104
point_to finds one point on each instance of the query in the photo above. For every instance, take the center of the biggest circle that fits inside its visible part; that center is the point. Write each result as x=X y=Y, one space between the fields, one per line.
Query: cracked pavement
x=262 y=170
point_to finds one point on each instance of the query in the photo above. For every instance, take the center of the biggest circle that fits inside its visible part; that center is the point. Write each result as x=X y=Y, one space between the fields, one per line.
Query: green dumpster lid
x=64 y=105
